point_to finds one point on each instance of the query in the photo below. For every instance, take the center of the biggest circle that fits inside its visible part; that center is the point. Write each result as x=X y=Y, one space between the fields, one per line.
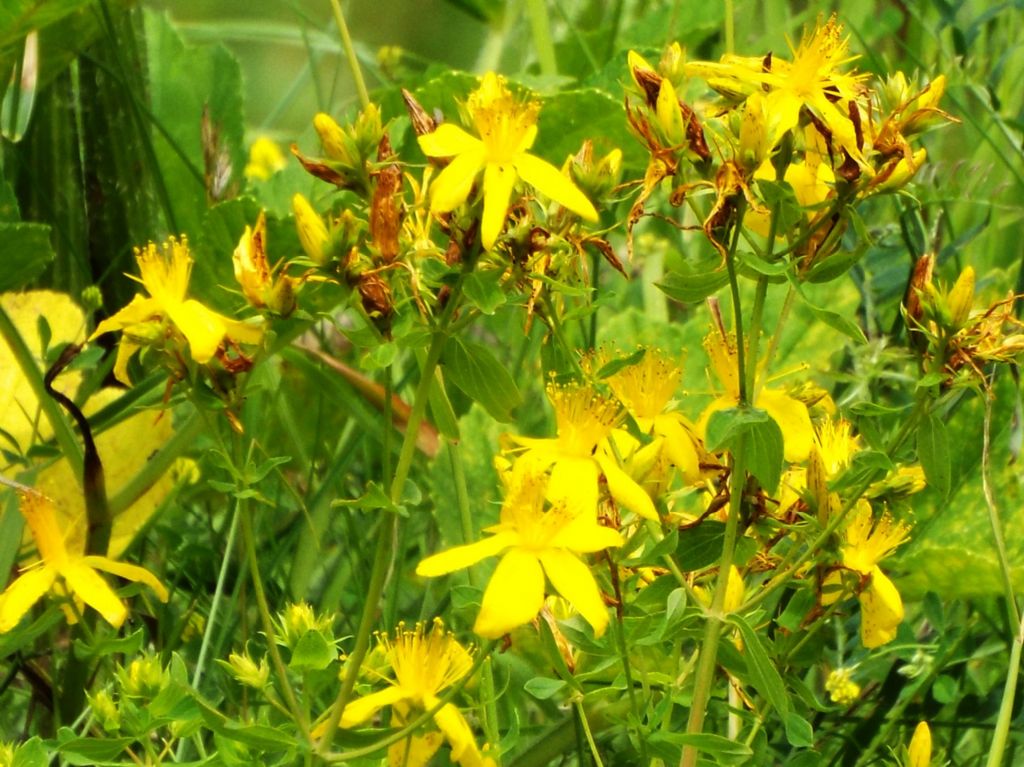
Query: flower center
x=426 y=663
x=584 y=417
x=506 y=125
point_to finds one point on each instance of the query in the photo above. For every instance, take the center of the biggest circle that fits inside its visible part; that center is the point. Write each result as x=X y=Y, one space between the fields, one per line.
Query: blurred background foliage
x=135 y=123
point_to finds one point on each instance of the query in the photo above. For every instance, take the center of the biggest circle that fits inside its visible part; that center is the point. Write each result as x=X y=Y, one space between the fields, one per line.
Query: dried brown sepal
x=217 y=175
x=422 y=123
x=386 y=205
x=321 y=170
x=606 y=250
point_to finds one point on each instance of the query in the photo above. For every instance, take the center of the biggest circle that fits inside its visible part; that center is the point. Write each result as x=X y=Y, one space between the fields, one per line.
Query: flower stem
x=578 y=704
x=707 y=660
x=350 y=54
x=540 y=27
x=1002 y=731
x=389 y=525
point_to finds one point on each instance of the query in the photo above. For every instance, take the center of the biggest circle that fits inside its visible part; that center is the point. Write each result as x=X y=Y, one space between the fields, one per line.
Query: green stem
x=755 y=336
x=578 y=704
x=388 y=527
x=350 y=54
x=707 y=661
x=1002 y=732
x=540 y=27
x=730 y=27
x=62 y=431
x=999 y=738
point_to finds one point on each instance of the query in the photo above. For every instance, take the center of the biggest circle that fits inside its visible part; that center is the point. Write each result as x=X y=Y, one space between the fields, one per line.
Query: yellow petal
x=463 y=556
x=574 y=581
x=448 y=140
x=128 y=572
x=87 y=584
x=791 y=416
x=138 y=311
x=451 y=187
x=361 y=709
x=626 y=491
x=22 y=594
x=574 y=479
x=881 y=611
x=919 y=752
x=584 y=535
x=125 y=350
x=498 y=183
x=203 y=328
x=679 y=445
x=549 y=181
x=247 y=333
x=514 y=595
x=456 y=730
x=415 y=750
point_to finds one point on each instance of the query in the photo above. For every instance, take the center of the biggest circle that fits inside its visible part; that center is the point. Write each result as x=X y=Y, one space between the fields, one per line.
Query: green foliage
x=414 y=439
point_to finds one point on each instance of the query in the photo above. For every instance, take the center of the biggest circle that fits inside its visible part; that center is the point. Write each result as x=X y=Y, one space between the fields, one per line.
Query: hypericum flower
x=424 y=663
x=147 y=320
x=646 y=388
x=919 y=752
x=841 y=688
x=507 y=128
x=62 y=570
x=534 y=538
x=254 y=275
x=813 y=80
x=866 y=544
x=265 y=159
x=789 y=413
x=579 y=455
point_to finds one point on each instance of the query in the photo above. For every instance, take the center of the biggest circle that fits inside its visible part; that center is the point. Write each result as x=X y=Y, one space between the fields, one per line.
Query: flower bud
x=670 y=116
x=311 y=228
x=265 y=159
x=734 y=590
x=841 y=687
x=250 y=262
x=104 y=710
x=332 y=137
x=143 y=678
x=247 y=671
x=961 y=298
x=919 y=753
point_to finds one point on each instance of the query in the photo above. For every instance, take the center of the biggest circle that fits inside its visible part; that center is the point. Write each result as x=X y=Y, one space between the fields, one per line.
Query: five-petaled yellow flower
x=424 y=664
x=789 y=413
x=148 y=319
x=814 y=79
x=534 y=538
x=64 y=571
x=507 y=128
x=580 y=455
x=867 y=543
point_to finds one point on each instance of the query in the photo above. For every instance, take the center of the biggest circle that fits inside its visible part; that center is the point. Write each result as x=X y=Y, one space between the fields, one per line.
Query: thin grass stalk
x=540 y=28
x=350 y=54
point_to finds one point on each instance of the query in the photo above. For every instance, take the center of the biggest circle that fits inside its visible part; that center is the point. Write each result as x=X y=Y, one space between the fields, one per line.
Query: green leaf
x=31 y=753
x=479 y=374
x=109 y=645
x=799 y=731
x=483 y=289
x=840 y=322
x=611 y=368
x=692 y=287
x=700 y=546
x=312 y=653
x=762 y=672
x=25 y=251
x=92 y=751
x=543 y=688
x=761 y=438
x=375 y=498
x=933 y=451
x=724 y=750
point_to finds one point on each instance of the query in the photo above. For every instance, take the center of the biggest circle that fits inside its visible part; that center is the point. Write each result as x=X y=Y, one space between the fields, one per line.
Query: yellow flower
x=424 y=664
x=579 y=455
x=254 y=275
x=919 y=753
x=507 y=129
x=265 y=159
x=165 y=275
x=841 y=687
x=77 y=572
x=534 y=540
x=646 y=388
x=813 y=79
x=789 y=413
x=312 y=230
x=866 y=544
